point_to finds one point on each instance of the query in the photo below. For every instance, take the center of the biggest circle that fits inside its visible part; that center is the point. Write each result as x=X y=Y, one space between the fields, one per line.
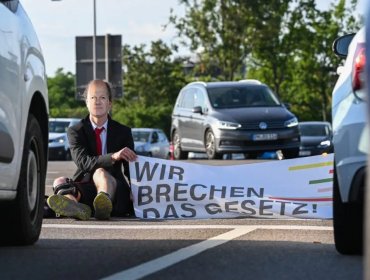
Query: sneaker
x=102 y=206
x=64 y=206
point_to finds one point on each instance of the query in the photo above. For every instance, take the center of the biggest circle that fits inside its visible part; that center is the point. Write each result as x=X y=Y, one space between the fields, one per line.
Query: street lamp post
x=94 y=43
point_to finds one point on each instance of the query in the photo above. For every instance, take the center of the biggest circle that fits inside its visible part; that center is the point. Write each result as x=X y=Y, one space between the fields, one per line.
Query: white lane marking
x=53 y=172
x=163 y=262
x=168 y=260
x=129 y=227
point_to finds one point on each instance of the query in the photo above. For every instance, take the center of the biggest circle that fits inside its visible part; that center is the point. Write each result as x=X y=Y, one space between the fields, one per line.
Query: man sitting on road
x=101 y=148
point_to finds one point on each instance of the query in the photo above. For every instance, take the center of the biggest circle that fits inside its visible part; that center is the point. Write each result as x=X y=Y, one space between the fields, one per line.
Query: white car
x=151 y=142
x=58 y=140
x=351 y=144
x=24 y=113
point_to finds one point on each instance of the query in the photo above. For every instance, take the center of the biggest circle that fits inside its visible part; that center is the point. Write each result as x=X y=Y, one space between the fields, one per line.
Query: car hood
x=53 y=135
x=253 y=114
x=312 y=140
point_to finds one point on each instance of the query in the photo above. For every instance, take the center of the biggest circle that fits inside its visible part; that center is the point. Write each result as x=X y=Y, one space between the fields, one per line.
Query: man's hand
x=124 y=154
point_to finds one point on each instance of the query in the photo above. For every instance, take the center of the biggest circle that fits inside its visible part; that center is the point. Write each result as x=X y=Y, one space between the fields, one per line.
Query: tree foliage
x=284 y=43
x=152 y=81
x=62 y=102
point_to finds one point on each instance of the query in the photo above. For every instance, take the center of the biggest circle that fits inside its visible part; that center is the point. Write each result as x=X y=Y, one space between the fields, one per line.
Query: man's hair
x=96 y=82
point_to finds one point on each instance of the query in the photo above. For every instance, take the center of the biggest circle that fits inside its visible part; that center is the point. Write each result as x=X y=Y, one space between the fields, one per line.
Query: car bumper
x=235 y=141
x=313 y=151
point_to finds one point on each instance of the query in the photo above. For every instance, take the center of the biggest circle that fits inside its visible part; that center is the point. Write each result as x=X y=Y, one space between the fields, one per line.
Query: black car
x=316 y=138
x=232 y=117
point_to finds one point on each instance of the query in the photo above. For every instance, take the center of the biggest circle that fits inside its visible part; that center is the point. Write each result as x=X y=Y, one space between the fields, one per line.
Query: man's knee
x=100 y=174
x=102 y=178
x=59 y=180
x=65 y=186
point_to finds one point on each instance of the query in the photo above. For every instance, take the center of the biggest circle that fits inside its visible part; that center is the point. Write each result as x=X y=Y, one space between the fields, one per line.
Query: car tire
x=348 y=223
x=22 y=217
x=291 y=153
x=177 y=152
x=251 y=155
x=68 y=156
x=210 y=145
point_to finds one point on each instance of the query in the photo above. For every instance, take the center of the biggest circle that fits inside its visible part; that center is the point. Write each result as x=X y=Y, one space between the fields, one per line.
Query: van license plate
x=264 y=137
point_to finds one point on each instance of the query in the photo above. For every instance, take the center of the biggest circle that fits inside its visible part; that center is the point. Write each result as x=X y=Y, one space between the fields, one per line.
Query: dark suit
x=82 y=143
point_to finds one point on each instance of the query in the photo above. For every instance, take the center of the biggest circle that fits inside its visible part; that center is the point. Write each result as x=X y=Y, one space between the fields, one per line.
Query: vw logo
x=263 y=125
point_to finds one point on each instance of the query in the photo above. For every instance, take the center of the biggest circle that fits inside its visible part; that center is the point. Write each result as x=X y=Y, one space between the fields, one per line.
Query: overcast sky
x=57 y=23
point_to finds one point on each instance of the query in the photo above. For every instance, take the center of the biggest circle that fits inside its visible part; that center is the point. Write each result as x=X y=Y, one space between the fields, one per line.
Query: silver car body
x=151 y=142
x=22 y=78
x=350 y=129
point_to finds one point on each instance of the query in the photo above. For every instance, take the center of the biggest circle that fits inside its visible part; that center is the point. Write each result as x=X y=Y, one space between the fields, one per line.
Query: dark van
x=232 y=117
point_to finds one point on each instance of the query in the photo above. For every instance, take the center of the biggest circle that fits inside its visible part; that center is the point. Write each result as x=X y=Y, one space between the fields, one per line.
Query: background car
x=151 y=142
x=351 y=144
x=58 y=141
x=316 y=138
x=23 y=127
x=232 y=117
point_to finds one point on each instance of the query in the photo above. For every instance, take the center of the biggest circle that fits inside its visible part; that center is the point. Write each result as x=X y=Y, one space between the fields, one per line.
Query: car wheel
x=348 y=223
x=177 y=152
x=211 y=146
x=68 y=156
x=291 y=153
x=22 y=218
x=251 y=155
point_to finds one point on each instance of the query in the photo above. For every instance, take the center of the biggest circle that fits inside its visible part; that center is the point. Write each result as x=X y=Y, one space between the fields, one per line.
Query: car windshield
x=314 y=130
x=242 y=96
x=58 y=126
x=140 y=136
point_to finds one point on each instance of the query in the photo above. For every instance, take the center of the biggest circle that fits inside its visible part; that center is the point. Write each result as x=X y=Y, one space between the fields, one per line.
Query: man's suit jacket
x=82 y=143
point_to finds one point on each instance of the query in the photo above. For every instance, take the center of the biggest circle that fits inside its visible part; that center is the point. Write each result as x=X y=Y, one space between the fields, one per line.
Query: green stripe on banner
x=313 y=165
x=321 y=181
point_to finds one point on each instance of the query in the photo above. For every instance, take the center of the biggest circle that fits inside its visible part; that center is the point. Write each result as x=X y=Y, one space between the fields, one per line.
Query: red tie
x=98 y=131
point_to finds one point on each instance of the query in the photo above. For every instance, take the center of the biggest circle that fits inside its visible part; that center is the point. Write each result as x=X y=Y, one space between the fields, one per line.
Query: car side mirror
x=340 y=45
x=197 y=110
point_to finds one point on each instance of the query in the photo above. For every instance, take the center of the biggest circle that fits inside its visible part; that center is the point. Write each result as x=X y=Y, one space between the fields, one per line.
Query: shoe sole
x=102 y=206
x=69 y=208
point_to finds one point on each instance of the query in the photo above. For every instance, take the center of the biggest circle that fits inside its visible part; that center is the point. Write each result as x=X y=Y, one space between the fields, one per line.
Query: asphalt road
x=179 y=249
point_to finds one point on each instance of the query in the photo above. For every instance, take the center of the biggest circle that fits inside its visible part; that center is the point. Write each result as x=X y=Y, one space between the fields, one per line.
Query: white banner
x=298 y=188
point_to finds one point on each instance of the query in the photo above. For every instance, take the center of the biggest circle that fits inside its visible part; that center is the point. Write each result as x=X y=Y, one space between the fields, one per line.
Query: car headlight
x=292 y=122
x=228 y=125
x=60 y=140
x=140 y=148
x=325 y=143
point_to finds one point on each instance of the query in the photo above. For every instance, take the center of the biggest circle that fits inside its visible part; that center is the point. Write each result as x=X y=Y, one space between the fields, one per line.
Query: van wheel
x=348 y=225
x=291 y=153
x=211 y=146
x=22 y=218
x=177 y=152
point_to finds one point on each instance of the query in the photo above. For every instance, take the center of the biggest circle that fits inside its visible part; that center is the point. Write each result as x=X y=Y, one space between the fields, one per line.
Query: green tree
x=220 y=31
x=152 y=81
x=284 y=43
x=314 y=74
x=62 y=102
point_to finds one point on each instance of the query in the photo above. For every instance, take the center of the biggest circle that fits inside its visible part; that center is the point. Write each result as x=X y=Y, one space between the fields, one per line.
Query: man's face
x=97 y=100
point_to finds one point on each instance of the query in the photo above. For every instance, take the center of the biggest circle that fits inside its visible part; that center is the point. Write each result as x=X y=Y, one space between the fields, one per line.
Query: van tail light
x=358 y=69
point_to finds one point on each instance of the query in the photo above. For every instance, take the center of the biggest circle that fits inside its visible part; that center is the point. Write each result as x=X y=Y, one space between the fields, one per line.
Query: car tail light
x=358 y=69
